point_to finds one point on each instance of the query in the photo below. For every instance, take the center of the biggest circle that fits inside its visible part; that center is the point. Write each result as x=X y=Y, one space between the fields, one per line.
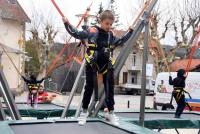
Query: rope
x=15 y=69
x=71 y=66
x=10 y=59
x=58 y=9
x=141 y=12
x=67 y=44
x=193 y=49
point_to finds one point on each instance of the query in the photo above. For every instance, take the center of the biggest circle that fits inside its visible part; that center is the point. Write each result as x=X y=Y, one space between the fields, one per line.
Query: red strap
x=65 y=46
x=57 y=59
x=58 y=9
x=193 y=49
x=71 y=57
x=78 y=60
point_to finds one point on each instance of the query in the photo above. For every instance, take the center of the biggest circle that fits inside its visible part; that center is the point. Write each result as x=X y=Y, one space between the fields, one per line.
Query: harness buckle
x=106 y=50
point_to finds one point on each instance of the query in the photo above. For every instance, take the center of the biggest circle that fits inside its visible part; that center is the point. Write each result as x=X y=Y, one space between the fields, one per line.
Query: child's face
x=106 y=24
x=41 y=90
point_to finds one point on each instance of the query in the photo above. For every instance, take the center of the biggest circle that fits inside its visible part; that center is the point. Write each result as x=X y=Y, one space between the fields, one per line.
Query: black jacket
x=179 y=81
x=101 y=38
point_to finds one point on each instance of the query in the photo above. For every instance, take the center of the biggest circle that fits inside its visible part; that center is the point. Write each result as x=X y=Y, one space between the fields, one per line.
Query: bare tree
x=42 y=35
x=182 y=21
x=186 y=23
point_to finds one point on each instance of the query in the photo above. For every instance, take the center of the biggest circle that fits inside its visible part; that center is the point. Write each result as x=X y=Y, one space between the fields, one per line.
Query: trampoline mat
x=67 y=128
x=49 y=106
x=158 y=115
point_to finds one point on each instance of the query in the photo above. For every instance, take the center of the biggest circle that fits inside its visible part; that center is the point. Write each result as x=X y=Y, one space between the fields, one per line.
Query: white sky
x=126 y=9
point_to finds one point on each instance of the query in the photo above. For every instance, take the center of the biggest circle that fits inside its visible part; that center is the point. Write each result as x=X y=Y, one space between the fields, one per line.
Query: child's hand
x=130 y=29
x=65 y=20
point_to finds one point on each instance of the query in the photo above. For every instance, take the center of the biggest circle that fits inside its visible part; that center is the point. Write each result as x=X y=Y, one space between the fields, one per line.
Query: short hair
x=107 y=14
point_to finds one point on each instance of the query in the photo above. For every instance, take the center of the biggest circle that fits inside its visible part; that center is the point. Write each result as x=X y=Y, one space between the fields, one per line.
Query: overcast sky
x=126 y=9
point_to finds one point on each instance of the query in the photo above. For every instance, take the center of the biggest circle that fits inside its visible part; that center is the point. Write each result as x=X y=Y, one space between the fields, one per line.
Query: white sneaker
x=106 y=113
x=112 y=118
x=82 y=118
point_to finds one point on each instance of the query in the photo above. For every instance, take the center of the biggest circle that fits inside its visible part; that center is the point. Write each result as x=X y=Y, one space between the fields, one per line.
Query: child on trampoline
x=33 y=86
x=178 y=92
x=98 y=58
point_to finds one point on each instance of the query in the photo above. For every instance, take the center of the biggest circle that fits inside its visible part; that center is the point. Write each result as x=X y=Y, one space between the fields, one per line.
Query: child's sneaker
x=112 y=118
x=82 y=118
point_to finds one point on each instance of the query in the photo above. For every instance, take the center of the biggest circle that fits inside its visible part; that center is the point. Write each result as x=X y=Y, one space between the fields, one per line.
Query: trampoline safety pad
x=43 y=110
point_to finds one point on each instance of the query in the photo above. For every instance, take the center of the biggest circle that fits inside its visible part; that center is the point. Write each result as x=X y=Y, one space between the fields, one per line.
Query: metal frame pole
x=8 y=97
x=144 y=61
x=78 y=110
x=2 y=113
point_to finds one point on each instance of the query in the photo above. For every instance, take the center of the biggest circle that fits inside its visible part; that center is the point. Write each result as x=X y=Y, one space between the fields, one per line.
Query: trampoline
x=93 y=126
x=43 y=110
x=163 y=119
x=154 y=115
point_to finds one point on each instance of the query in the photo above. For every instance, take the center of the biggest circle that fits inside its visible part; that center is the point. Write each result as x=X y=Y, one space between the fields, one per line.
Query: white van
x=163 y=91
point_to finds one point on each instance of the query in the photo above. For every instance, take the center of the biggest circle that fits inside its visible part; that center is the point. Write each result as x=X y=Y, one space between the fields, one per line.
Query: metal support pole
x=92 y=105
x=78 y=110
x=2 y=113
x=70 y=68
x=73 y=90
x=8 y=97
x=144 y=61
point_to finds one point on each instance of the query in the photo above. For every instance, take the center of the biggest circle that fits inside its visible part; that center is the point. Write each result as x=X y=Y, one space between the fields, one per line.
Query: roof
x=11 y=9
x=10 y=50
x=56 y=48
x=182 y=64
x=180 y=52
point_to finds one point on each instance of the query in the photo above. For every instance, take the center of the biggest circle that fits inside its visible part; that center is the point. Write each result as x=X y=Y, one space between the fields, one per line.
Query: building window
x=125 y=77
x=134 y=77
x=133 y=80
x=134 y=59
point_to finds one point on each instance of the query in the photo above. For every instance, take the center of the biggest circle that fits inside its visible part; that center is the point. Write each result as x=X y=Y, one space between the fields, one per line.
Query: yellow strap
x=105 y=71
x=179 y=96
x=87 y=57
x=113 y=61
x=90 y=45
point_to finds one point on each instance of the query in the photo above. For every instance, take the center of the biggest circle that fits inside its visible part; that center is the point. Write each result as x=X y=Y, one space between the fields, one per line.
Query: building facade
x=12 y=32
x=131 y=73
